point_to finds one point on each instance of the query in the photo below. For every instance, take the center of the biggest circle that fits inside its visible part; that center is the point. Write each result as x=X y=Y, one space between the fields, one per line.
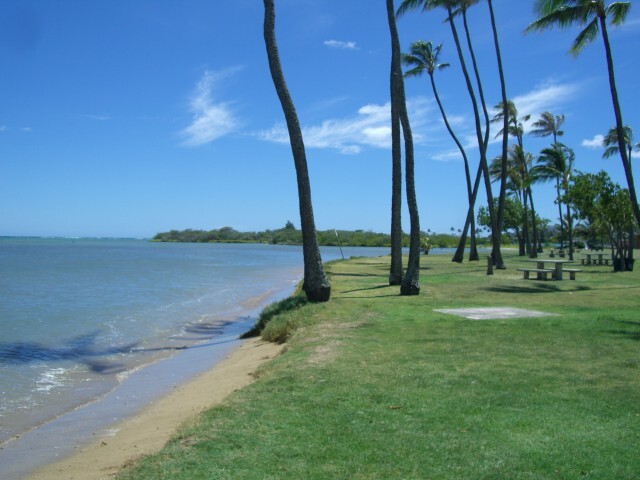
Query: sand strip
x=148 y=431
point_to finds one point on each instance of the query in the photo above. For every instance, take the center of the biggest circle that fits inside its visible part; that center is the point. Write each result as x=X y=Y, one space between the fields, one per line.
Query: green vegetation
x=290 y=236
x=378 y=386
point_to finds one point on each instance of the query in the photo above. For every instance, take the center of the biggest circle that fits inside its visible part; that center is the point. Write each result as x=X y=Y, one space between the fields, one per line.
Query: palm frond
x=586 y=36
x=618 y=11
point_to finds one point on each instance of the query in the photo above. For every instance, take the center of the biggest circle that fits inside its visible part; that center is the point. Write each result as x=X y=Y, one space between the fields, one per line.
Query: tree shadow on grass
x=81 y=349
x=548 y=287
x=629 y=334
x=356 y=275
x=377 y=287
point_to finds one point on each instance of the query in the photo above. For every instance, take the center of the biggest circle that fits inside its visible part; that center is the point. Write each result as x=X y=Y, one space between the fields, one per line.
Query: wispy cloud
x=3 y=128
x=369 y=128
x=342 y=45
x=549 y=96
x=594 y=143
x=25 y=129
x=99 y=118
x=211 y=120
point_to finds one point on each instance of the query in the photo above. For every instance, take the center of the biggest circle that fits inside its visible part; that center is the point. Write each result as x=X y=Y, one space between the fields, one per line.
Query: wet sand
x=149 y=430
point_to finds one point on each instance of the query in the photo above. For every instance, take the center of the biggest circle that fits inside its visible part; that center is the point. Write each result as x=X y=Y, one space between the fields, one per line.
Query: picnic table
x=587 y=260
x=557 y=268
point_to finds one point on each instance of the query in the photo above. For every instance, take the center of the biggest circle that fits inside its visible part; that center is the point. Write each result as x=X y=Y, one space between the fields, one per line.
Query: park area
x=374 y=385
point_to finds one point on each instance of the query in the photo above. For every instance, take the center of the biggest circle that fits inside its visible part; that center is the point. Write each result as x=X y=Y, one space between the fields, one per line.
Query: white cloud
x=371 y=127
x=26 y=129
x=341 y=45
x=594 y=143
x=210 y=120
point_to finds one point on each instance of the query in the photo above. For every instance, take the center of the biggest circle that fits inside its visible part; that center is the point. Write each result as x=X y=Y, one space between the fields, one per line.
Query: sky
x=124 y=118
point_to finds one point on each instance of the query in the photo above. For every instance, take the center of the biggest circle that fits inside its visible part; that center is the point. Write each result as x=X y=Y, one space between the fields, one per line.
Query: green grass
x=378 y=386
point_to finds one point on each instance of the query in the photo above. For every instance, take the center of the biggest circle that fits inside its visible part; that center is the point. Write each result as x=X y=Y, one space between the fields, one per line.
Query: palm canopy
x=518 y=163
x=586 y=13
x=548 y=124
x=516 y=129
x=611 y=144
x=555 y=163
x=423 y=58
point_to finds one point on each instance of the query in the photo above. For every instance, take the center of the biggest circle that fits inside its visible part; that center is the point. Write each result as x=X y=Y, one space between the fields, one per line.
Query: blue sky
x=126 y=118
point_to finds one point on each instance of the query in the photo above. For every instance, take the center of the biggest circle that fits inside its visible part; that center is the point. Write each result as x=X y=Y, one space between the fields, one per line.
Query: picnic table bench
x=572 y=272
x=541 y=272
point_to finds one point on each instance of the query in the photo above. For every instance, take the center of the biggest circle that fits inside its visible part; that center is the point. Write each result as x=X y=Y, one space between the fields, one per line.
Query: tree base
x=410 y=289
x=395 y=280
x=320 y=294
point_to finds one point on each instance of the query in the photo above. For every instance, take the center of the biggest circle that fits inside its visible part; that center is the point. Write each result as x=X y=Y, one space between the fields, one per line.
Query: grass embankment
x=378 y=386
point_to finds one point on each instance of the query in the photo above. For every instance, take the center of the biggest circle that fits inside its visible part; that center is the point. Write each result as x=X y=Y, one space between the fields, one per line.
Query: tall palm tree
x=548 y=125
x=411 y=281
x=452 y=6
x=592 y=15
x=518 y=184
x=556 y=163
x=516 y=129
x=396 y=272
x=315 y=285
x=424 y=58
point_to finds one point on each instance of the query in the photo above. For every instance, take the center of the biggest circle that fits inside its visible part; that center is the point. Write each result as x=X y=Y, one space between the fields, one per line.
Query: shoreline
x=149 y=429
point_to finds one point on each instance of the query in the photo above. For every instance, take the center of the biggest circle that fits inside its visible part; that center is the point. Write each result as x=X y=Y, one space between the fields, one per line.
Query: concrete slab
x=495 y=313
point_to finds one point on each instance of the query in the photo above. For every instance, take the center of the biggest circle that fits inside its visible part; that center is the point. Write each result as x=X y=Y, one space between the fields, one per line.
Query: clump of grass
x=273 y=324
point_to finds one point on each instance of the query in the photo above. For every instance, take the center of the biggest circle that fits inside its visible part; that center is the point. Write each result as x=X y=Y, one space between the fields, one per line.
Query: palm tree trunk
x=560 y=214
x=495 y=236
x=570 y=229
x=473 y=254
x=396 y=271
x=316 y=285
x=626 y=160
x=505 y=132
x=459 y=253
x=536 y=235
x=411 y=281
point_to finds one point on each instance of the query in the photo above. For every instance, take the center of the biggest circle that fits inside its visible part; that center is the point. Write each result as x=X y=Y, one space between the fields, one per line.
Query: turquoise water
x=77 y=316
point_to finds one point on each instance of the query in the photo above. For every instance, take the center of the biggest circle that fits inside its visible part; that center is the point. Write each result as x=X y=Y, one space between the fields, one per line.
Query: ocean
x=80 y=316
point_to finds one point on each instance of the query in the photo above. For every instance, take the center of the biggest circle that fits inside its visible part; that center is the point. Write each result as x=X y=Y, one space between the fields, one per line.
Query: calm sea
x=77 y=316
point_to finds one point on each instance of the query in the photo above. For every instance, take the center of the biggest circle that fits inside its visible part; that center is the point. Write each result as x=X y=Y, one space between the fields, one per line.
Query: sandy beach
x=148 y=431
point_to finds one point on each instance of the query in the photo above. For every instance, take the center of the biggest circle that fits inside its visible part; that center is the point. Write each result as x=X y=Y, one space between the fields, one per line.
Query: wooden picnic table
x=557 y=265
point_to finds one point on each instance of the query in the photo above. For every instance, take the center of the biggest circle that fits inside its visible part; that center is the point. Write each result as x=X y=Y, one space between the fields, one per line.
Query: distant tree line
x=289 y=235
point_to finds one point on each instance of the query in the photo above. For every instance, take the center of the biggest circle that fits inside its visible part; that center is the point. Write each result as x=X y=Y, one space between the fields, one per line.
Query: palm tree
x=610 y=142
x=453 y=7
x=548 y=124
x=411 y=281
x=518 y=183
x=396 y=271
x=556 y=163
x=592 y=15
x=424 y=58
x=315 y=285
x=516 y=129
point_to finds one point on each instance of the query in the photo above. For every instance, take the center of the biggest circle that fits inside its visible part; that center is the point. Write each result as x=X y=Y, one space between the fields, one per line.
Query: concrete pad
x=497 y=313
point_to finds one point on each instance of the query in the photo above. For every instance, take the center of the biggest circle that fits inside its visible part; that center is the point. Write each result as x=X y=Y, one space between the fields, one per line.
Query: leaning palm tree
x=315 y=285
x=411 y=281
x=556 y=163
x=424 y=58
x=592 y=15
x=453 y=7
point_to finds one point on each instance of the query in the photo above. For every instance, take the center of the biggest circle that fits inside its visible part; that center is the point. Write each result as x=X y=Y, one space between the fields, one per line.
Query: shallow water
x=77 y=316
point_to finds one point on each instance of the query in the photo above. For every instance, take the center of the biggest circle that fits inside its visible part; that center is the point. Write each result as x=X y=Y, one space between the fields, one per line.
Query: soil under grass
x=378 y=386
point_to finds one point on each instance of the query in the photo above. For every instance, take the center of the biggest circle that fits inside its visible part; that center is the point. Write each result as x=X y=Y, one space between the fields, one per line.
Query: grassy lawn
x=378 y=386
